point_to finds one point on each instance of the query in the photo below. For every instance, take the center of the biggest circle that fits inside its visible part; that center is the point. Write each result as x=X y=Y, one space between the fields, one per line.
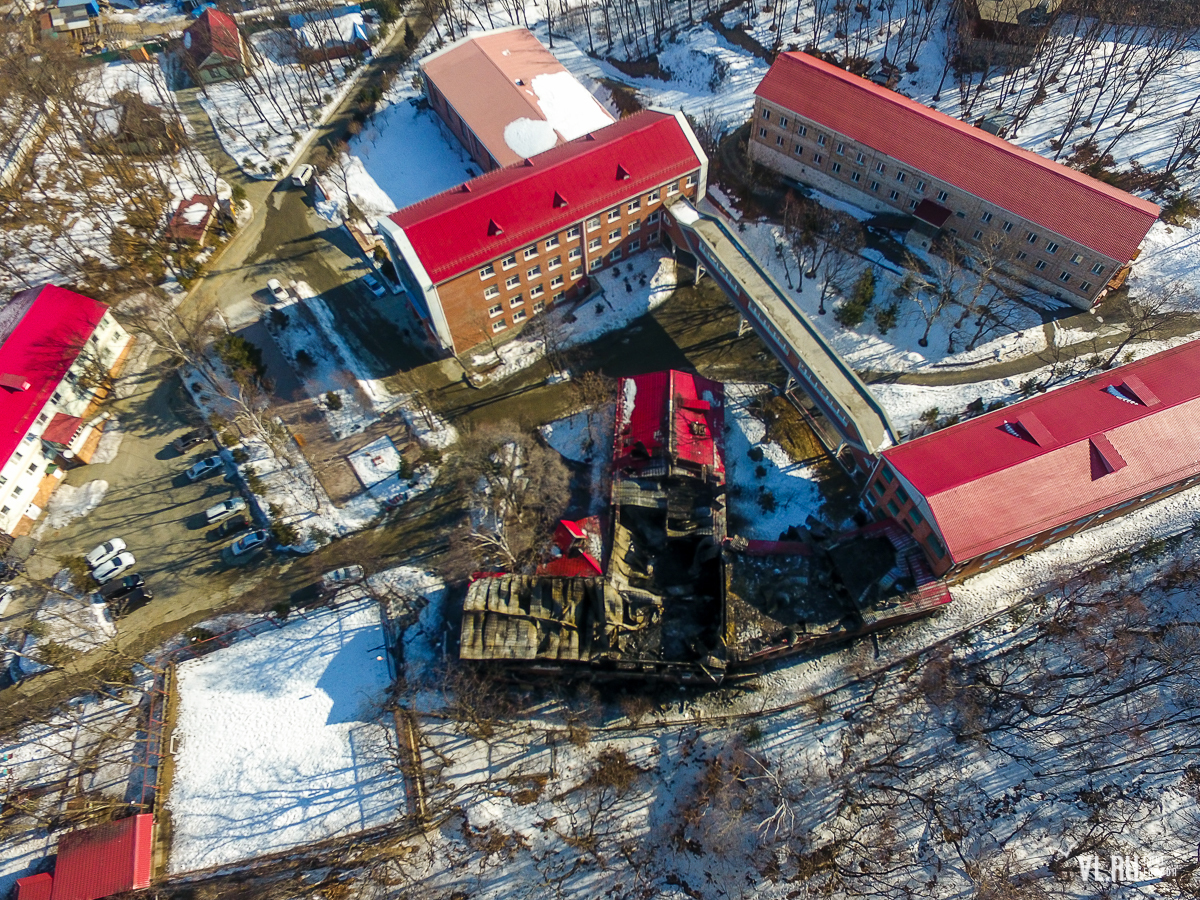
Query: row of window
x=1052 y=247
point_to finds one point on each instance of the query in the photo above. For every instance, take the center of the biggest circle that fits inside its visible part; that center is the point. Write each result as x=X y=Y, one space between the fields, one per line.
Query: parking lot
x=154 y=508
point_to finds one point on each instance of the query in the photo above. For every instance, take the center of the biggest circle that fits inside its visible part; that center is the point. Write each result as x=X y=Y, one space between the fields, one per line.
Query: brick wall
x=804 y=150
x=501 y=297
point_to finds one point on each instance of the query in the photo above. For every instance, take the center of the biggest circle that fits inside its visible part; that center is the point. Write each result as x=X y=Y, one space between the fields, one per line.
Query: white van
x=303 y=175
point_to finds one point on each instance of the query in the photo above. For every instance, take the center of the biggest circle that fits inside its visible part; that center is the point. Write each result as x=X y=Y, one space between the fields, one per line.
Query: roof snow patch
x=568 y=105
x=529 y=137
x=194 y=214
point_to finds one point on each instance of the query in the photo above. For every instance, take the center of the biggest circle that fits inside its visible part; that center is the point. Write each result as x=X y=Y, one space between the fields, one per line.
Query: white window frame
x=488 y=271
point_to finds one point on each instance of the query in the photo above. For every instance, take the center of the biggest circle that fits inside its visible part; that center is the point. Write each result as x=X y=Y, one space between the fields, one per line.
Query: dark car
x=135 y=599
x=120 y=587
x=233 y=526
x=187 y=441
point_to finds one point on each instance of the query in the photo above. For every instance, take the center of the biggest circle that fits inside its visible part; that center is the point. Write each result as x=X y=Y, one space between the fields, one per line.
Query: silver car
x=224 y=509
x=104 y=552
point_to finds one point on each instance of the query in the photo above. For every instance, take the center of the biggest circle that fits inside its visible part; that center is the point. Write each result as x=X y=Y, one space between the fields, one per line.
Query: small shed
x=35 y=887
x=326 y=34
x=192 y=220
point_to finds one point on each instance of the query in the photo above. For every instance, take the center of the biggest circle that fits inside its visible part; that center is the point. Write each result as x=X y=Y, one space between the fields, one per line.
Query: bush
x=333 y=400
x=756 y=454
x=278 y=318
x=304 y=359
x=887 y=316
x=752 y=733
x=281 y=609
x=52 y=653
x=239 y=355
x=240 y=456
x=285 y=533
x=36 y=629
x=78 y=568
x=406 y=469
x=854 y=309
x=760 y=471
x=196 y=635
x=767 y=501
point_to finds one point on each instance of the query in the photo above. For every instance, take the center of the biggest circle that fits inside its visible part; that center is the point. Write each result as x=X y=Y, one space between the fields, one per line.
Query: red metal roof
x=506 y=209
x=105 y=860
x=1060 y=456
x=42 y=331
x=62 y=429
x=488 y=79
x=673 y=414
x=214 y=32
x=35 y=887
x=1056 y=197
x=181 y=229
x=580 y=545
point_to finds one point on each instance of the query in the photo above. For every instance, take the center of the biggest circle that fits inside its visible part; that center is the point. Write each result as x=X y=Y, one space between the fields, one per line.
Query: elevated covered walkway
x=835 y=388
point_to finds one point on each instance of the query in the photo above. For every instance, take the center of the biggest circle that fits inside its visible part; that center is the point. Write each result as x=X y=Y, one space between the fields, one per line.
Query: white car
x=204 y=468
x=104 y=552
x=249 y=542
x=371 y=283
x=303 y=175
x=278 y=291
x=224 y=509
x=113 y=566
x=339 y=578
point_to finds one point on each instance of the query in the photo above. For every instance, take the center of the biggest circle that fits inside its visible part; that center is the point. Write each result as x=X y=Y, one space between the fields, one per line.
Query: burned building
x=679 y=599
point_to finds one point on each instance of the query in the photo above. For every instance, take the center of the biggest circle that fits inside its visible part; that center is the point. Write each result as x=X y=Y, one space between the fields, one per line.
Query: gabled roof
x=1055 y=458
x=670 y=415
x=192 y=218
x=214 y=32
x=62 y=429
x=506 y=209
x=1060 y=199
x=105 y=860
x=503 y=83
x=42 y=332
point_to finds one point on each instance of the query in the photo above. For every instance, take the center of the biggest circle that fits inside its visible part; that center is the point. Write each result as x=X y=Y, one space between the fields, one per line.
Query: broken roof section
x=1061 y=456
x=673 y=417
x=513 y=94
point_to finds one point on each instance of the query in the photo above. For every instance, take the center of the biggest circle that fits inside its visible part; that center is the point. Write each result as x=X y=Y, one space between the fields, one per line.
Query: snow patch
x=567 y=106
x=529 y=137
x=69 y=503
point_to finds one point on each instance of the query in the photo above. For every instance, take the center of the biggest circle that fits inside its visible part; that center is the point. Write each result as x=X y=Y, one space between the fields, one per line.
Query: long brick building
x=1068 y=234
x=484 y=258
x=998 y=486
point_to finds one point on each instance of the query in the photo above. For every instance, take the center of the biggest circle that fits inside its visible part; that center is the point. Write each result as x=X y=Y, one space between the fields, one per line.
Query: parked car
x=186 y=442
x=224 y=509
x=303 y=175
x=278 y=291
x=340 y=578
x=104 y=552
x=204 y=468
x=248 y=543
x=113 y=566
x=233 y=526
x=371 y=283
x=135 y=599
x=118 y=588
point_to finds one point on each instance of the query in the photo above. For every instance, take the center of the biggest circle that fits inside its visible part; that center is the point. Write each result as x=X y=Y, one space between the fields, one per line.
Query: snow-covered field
x=281 y=741
x=69 y=502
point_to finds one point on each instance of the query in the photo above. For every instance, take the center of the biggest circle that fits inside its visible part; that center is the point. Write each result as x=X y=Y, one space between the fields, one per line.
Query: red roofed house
x=669 y=423
x=192 y=219
x=506 y=98
x=97 y=862
x=485 y=257
x=57 y=348
x=577 y=550
x=214 y=50
x=1014 y=480
x=1070 y=234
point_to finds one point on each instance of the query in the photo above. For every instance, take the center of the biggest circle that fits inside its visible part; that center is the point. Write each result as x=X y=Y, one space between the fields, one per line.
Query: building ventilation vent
x=14 y=382
x=559 y=200
x=1105 y=458
x=1030 y=428
x=622 y=173
x=1114 y=391
x=494 y=228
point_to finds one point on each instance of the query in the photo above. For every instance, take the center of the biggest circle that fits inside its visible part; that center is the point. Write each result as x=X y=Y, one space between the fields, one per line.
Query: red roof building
x=506 y=97
x=997 y=486
x=35 y=887
x=672 y=420
x=214 y=49
x=192 y=219
x=485 y=256
x=822 y=125
x=104 y=860
x=577 y=550
x=54 y=346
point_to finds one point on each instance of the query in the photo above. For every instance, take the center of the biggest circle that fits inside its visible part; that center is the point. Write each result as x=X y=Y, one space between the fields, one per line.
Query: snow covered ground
x=784 y=494
x=424 y=640
x=587 y=437
x=280 y=740
x=69 y=503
